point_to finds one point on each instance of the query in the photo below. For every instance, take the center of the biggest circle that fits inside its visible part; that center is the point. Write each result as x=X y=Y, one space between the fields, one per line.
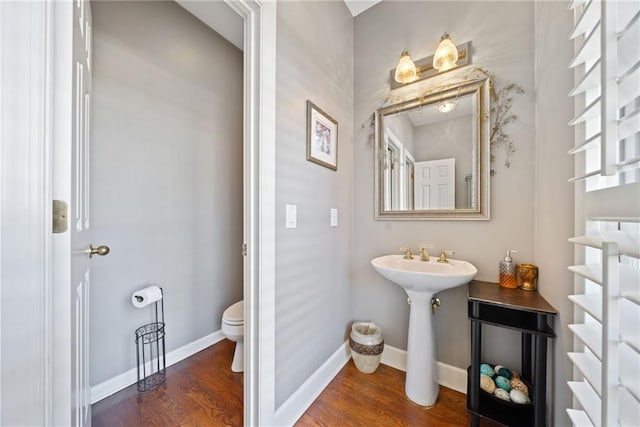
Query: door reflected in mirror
x=432 y=155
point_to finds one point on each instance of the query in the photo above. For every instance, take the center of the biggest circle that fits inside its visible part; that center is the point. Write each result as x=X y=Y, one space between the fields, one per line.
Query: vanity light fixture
x=447 y=106
x=406 y=69
x=446 y=55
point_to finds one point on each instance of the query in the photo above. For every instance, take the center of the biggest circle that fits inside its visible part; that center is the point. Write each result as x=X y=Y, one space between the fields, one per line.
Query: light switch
x=334 y=217
x=290 y=220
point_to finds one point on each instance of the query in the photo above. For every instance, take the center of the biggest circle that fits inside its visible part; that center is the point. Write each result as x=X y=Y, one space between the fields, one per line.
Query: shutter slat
x=629 y=408
x=590 y=80
x=590 y=367
x=591 y=272
x=588 y=399
x=574 y=4
x=627 y=244
x=629 y=26
x=628 y=83
x=628 y=127
x=591 y=303
x=613 y=202
x=590 y=49
x=589 y=18
x=595 y=139
x=592 y=110
x=585 y=176
x=579 y=418
x=591 y=335
x=630 y=362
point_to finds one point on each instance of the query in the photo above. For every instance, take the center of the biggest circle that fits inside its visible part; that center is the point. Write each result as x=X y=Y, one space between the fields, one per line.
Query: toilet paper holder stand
x=150 y=350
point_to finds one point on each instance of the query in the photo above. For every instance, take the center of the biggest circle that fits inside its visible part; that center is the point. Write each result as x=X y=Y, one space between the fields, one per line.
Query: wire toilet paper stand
x=150 y=351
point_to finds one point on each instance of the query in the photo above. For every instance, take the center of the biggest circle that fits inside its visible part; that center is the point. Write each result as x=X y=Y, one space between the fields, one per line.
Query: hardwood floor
x=202 y=391
x=378 y=399
x=199 y=391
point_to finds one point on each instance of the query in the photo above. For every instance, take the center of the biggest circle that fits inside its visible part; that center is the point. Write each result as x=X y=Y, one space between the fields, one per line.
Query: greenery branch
x=501 y=114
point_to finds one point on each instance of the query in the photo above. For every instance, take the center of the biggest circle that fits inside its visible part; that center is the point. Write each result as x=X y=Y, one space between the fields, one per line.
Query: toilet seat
x=234 y=315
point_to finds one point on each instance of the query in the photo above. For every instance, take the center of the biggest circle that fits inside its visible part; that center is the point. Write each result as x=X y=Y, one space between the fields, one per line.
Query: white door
x=80 y=218
x=71 y=185
x=435 y=184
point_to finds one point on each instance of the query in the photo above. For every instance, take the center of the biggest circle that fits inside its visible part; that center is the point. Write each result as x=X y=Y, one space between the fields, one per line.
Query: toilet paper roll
x=146 y=296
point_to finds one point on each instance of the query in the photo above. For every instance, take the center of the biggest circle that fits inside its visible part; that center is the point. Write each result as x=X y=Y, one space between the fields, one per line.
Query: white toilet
x=233 y=329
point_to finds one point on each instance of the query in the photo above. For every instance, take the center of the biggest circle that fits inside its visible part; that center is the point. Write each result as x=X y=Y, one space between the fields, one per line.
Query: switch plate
x=290 y=218
x=334 y=217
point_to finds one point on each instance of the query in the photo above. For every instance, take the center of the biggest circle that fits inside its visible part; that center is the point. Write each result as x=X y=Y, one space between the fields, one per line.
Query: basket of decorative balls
x=505 y=385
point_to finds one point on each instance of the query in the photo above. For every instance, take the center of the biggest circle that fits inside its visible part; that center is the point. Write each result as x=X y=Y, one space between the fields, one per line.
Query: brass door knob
x=100 y=250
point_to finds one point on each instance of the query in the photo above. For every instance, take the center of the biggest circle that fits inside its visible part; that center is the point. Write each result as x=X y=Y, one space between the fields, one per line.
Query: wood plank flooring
x=199 y=391
x=202 y=391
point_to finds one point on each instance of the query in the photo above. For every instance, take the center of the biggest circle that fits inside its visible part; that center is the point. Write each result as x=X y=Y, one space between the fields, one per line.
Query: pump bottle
x=508 y=277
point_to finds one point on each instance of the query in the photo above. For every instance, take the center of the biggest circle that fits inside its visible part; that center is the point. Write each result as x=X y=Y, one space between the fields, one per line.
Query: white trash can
x=366 y=345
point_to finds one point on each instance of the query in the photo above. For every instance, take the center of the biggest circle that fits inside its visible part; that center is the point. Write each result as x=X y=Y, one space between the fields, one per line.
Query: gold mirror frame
x=481 y=168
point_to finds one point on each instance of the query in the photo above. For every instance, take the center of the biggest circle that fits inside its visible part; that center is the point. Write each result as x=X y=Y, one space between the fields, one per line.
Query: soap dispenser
x=508 y=277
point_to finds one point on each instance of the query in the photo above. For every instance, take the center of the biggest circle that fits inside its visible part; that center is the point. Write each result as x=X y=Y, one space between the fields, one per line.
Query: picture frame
x=322 y=137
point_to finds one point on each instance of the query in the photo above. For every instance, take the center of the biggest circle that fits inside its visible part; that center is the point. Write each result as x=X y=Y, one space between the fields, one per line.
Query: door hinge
x=60 y=224
x=244 y=249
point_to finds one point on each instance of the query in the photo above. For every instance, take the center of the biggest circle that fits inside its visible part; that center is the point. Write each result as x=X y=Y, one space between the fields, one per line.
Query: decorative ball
x=497 y=368
x=502 y=394
x=487 y=384
x=517 y=384
x=514 y=374
x=504 y=372
x=503 y=383
x=487 y=370
x=519 y=397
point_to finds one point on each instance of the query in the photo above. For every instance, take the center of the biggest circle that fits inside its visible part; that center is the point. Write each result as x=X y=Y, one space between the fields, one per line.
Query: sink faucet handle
x=443 y=255
x=407 y=252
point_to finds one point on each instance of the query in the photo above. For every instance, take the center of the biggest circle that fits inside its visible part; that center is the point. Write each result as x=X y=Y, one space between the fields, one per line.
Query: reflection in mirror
x=432 y=155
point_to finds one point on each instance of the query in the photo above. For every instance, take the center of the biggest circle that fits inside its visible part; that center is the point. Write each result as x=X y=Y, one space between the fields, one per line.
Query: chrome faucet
x=443 y=256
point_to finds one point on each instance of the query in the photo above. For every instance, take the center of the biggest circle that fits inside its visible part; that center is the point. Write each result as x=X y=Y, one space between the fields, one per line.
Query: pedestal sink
x=421 y=280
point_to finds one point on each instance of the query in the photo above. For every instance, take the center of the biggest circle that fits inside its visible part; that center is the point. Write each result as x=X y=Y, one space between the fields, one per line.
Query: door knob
x=100 y=250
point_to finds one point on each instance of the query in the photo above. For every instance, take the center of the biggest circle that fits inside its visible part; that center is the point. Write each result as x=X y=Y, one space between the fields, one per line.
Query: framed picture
x=322 y=137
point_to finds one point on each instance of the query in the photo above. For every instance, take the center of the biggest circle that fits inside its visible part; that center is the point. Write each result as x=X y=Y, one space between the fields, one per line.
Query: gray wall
x=553 y=223
x=166 y=173
x=313 y=301
x=446 y=139
x=403 y=129
x=502 y=35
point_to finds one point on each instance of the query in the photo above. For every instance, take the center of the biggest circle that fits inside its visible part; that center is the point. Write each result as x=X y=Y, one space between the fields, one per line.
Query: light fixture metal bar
x=424 y=66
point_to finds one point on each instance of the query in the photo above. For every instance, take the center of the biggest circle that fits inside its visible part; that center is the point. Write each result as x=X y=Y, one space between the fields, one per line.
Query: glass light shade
x=448 y=106
x=406 y=69
x=446 y=55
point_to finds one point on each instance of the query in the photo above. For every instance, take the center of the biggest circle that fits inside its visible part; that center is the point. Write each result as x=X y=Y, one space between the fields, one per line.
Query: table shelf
x=528 y=313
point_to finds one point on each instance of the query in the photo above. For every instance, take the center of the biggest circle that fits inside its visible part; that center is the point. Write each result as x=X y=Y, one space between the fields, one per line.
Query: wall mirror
x=432 y=155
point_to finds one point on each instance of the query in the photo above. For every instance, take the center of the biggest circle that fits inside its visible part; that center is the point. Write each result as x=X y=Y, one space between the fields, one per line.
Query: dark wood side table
x=528 y=313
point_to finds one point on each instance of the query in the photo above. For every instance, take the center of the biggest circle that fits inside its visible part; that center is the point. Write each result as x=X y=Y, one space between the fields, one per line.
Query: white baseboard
x=303 y=397
x=124 y=380
x=449 y=376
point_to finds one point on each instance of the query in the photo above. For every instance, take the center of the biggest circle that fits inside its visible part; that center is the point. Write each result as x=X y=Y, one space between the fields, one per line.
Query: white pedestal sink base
x=421 y=383
x=421 y=280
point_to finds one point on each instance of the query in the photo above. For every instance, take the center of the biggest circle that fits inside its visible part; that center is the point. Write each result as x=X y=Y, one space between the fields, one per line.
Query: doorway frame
x=41 y=23
x=259 y=111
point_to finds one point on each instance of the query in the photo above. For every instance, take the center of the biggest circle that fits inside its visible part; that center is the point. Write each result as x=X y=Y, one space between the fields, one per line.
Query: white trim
x=394 y=357
x=25 y=278
x=259 y=212
x=448 y=376
x=303 y=397
x=124 y=380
